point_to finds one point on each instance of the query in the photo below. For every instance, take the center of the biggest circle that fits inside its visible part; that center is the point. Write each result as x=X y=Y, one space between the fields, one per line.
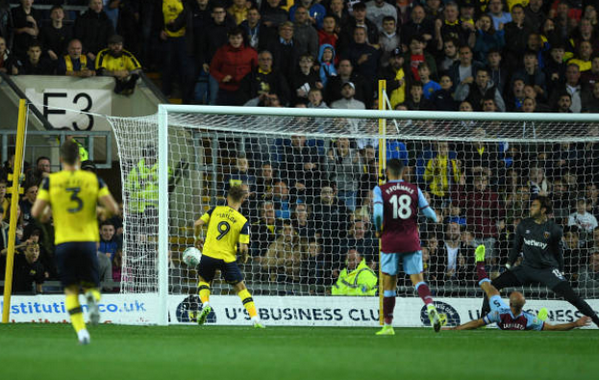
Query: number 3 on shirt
x=401 y=206
x=75 y=198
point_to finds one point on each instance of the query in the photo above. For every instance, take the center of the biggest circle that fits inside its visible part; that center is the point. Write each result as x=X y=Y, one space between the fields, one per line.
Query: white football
x=192 y=257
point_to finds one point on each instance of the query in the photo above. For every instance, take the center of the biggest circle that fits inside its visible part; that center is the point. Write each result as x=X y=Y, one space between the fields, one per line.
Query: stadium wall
x=275 y=310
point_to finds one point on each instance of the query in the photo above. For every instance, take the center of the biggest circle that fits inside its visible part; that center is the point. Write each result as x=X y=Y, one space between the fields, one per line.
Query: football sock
x=248 y=302
x=424 y=292
x=95 y=292
x=481 y=272
x=75 y=312
x=388 y=306
x=204 y=292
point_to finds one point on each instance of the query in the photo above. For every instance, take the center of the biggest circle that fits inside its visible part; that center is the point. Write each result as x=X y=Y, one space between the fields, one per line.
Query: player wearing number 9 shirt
x=72 y=197
x=226 y=229
x=396 y=206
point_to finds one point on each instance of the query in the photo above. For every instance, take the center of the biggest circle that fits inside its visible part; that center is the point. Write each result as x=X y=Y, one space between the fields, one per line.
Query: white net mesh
x=310 y=181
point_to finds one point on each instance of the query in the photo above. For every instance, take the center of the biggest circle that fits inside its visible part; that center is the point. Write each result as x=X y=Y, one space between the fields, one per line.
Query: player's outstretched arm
x=41 y=210
x=470 y=325
x=516 y=247
x=425 y=208
x=109 y=207
x=377 y=210
x=198 y=233
x=580 y=322
x=243 y=252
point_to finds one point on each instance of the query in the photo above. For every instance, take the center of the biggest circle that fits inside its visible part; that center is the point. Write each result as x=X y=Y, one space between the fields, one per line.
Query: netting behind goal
x=310 y=181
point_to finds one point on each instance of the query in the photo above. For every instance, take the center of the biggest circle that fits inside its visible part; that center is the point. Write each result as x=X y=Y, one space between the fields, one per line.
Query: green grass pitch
x=50 y=351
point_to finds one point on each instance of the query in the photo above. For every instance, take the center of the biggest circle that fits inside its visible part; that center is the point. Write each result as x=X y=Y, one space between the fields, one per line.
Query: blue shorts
x=412 y=263
x=77 y=264
x=230 y=271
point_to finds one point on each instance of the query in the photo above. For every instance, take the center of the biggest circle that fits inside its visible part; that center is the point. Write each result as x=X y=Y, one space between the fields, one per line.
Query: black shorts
x=77 y=263
x=550 y=277
x=230 y=271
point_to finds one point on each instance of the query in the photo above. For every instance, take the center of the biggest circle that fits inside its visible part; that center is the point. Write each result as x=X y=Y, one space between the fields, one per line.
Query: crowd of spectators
x=310 y=201
x=34 y=270
x=310 y=206
x=488 y=55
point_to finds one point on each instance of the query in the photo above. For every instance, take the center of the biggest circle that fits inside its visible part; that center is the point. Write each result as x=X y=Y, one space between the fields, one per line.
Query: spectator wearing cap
x=93 y=28
x=396 y=79
x=230 y=65
x=346 y=73
x=120 y=64
x=348 y=90
x=388 y=39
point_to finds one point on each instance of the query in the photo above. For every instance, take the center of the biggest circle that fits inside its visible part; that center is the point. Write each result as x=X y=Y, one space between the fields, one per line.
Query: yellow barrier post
x=10 y=255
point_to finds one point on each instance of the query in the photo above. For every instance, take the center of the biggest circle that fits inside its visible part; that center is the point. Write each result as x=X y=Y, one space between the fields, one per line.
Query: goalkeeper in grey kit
x=540 y=241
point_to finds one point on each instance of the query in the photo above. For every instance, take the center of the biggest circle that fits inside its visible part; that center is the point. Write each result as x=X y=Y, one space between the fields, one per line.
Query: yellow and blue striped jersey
x=73 y=197
x=226 y=228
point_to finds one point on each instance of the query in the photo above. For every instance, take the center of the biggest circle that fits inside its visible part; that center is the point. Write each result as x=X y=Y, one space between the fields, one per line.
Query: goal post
x=212 y=147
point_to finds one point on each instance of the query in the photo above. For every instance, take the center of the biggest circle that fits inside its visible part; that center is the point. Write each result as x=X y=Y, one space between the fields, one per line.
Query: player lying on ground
x=226 y=228
x=396 y=205
x=511 y=317
x=539 y=239
x=71 y=197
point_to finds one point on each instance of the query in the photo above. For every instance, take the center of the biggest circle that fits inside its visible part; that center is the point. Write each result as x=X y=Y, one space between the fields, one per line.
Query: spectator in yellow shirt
x=117 y=62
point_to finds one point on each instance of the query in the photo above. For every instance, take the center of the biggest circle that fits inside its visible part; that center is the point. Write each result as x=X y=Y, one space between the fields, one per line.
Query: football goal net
x=310 y=173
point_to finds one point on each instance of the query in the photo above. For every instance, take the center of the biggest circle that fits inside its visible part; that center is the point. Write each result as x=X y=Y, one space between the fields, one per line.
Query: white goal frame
x=165 y=110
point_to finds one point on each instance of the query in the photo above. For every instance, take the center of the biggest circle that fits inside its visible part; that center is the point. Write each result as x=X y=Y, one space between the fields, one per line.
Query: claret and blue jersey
x=502 y=315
